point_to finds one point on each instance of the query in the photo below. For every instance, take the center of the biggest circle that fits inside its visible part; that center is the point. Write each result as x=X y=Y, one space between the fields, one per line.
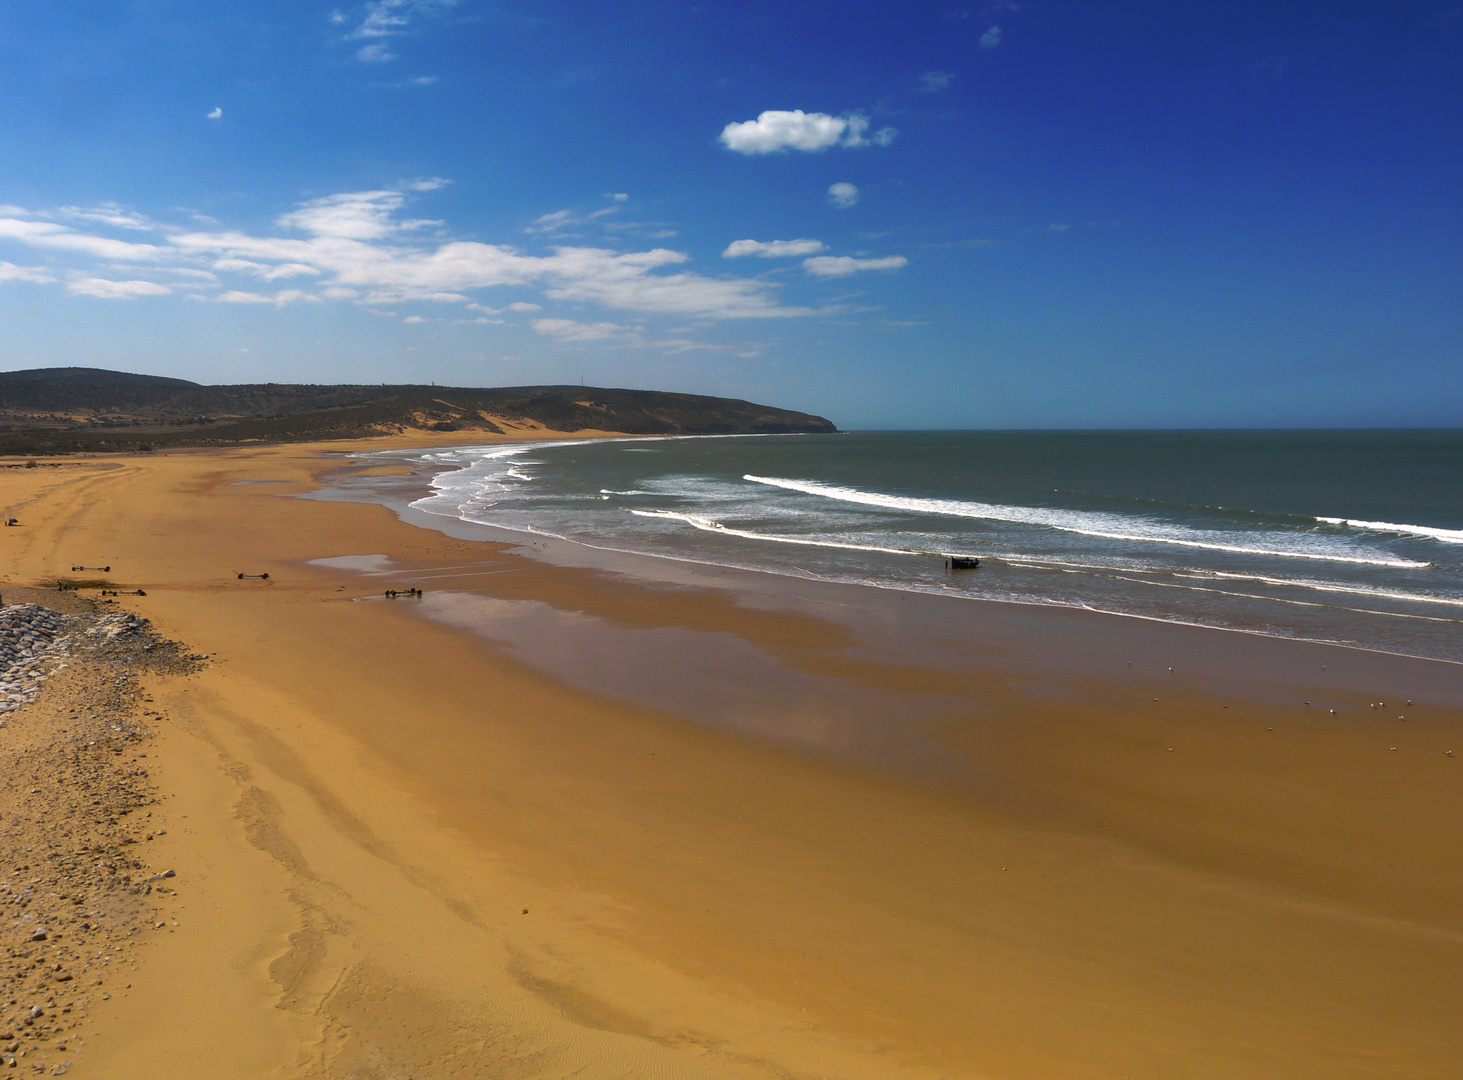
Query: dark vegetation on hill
x=70 y=410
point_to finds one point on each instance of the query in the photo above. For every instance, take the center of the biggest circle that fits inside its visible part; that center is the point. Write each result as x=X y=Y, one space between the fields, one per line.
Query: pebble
x=66 y=800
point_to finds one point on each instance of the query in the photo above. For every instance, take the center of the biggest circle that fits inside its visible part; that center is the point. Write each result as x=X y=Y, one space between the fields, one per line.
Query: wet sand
x=570 y=815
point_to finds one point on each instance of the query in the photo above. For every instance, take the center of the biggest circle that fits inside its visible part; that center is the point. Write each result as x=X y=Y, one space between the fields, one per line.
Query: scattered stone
x=74 y=797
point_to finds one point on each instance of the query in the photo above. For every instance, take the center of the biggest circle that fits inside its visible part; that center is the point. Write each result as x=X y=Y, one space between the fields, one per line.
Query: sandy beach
x=574 y=816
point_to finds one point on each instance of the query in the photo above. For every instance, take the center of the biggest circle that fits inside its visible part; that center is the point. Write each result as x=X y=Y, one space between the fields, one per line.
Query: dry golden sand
x=403 y=851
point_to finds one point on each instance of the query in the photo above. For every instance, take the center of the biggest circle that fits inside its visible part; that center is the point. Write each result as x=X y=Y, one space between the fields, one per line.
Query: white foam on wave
x=1284 y=600
x=707 y=525
x=1326 y=586
x=1078 y=522
x=1446 y=536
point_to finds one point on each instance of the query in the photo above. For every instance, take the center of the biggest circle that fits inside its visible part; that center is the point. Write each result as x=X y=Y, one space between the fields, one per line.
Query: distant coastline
x=46 y=411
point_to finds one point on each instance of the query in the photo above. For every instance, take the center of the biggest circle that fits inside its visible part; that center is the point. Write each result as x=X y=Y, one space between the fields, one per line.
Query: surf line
x=707 y=525
x=1032 y=516
x=1446 y=536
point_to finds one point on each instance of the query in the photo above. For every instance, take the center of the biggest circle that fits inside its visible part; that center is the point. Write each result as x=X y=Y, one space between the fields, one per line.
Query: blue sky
x=1009 y=214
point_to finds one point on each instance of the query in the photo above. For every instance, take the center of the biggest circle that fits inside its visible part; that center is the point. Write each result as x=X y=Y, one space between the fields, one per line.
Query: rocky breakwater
x=78 y=813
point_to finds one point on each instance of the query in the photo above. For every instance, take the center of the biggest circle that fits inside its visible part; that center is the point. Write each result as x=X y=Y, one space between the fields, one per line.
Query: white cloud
x=547 y=222
x=360 y=249
x=279 y=299
x=771 y=249
x=413 y=319
x=858 y=124
x=991 y=38
x=935 y=81
x=357 y=215
x=386 y=19
x=115 y=290
x=563 y=219
x=428 y=183
x=520 y=305
x=289 y=270
x=843 y=195
x=846 y=265
x=11 y=272
x=187 y=273
x=264 y=271
x=569 y=330
x=216 y=113
x=46 y=234
x=422 y=80
x=108 y=214
x=776 y=130
x=618 y=196
x=627 y=281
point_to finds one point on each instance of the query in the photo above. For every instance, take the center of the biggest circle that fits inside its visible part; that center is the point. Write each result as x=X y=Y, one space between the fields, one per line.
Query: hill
x=68 y=410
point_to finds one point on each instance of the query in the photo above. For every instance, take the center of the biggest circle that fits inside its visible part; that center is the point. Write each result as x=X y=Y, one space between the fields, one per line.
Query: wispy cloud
x=572 y=332
x=108 y=214
x=48 y=234
x=216 y=113
x=569 y=330
x=10 y=272
x=379 y=20
x=565 y=219
x=105 y=289
x=778 y=130
x=356 y=215
x=771 y=249
x=375 y=53
x=361 y=247
x=933 y=82
x=991 y=39
x=264 y=270
x=279 y=299
x=847 y=265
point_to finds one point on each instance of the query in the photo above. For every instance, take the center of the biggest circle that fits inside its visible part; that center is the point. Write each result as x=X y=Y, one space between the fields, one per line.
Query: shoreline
x=417 y=845
x=424 y=472
x=656 y=567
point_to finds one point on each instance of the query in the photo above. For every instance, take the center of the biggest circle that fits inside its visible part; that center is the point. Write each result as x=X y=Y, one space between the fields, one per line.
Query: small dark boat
x=962 y=562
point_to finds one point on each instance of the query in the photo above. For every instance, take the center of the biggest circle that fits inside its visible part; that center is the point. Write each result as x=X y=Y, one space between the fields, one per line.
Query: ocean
x=1340 y=536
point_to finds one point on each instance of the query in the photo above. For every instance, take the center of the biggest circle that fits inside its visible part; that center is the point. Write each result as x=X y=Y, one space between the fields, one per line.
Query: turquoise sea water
x=1354 y=537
